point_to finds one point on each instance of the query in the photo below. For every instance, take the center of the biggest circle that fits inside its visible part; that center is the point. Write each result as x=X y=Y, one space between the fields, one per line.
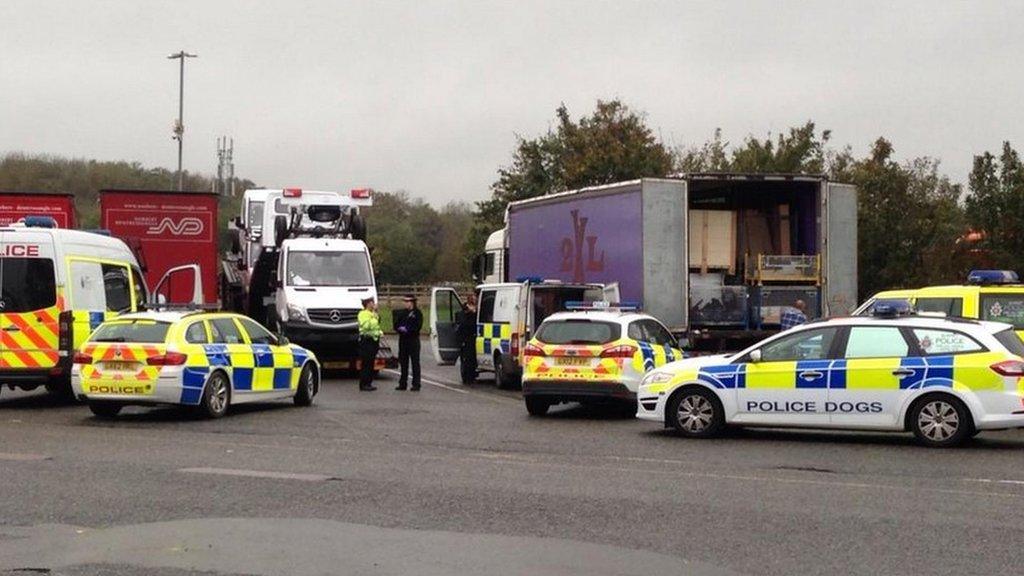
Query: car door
x=275 y=369
x=445 y=310
x=786 y=379
x=878 y=368
x=228 y=336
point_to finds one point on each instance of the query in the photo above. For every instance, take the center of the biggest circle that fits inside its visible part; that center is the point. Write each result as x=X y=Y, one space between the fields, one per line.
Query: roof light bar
x=993 y=277
x=360 y=193
x=603 y=305
x=292 y=192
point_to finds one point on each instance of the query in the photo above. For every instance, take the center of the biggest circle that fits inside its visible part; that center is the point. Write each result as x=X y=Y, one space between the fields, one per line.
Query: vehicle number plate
x=572 y=361
x=119 y=366
x=337 y=365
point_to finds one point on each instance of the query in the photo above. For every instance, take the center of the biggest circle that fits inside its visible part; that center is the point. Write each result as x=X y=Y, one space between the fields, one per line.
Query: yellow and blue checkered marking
x=493 y=336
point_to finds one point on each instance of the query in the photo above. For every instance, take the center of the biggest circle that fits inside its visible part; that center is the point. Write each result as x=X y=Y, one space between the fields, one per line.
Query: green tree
x=802 y=150
x=610 y=145
x=995 y=206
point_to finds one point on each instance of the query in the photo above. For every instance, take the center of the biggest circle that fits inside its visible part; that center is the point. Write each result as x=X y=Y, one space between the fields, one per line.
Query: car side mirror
x=755 y=356
x=282 y=340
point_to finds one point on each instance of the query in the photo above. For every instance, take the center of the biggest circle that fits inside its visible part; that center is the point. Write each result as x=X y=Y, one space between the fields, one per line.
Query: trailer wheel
x=357 y=227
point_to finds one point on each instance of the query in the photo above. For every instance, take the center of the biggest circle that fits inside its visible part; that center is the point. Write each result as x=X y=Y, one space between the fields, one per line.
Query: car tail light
x=623 y=351
x=1009 y=368
x=293 y=192
x=82 y=358
x=533 y=350
x=168 y=359
x=360 y=193
x=514 y=345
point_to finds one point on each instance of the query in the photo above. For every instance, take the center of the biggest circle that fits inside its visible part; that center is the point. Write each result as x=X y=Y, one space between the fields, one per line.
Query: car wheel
x=307 y=387
x=216 y=396
x=940 y=421
x=696 y=413
x=60 y=388
x=105 y=410
x=501 y=376
x=537 y=406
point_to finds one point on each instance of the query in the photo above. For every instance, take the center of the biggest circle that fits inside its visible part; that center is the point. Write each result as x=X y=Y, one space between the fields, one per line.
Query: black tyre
x=105 y=410
x=60 y=388
x=940 y=421
x=695 y=413
x=308 y=384
x=216 y=396
x=503 y=377
x=537 y=406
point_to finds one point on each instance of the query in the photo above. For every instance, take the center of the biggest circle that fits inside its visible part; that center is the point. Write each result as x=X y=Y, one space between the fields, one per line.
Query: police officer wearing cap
x=369 y=343
x=408 y=323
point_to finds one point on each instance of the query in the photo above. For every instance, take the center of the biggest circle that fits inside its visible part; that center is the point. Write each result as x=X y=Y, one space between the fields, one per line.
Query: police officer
x=369 y=343
x=465 y=329
x=408 y=323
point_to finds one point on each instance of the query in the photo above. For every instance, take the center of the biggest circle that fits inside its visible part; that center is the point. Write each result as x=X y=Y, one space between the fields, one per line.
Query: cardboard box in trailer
x=714 y=256
x=16 y=205
x=172 y=229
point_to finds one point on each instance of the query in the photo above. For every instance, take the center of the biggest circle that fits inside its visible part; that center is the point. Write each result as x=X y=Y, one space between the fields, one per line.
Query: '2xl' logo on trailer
x=573 y=257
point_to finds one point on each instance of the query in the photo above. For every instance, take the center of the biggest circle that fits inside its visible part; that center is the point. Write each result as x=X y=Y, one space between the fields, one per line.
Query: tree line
x=915 y=226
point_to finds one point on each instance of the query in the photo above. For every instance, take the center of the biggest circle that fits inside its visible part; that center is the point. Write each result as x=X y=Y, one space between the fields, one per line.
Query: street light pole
x=179 y=127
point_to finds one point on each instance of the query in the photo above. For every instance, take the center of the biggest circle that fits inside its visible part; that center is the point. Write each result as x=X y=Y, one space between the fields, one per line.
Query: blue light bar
x=602 y=305
x=40 y=222
x=530 y=279
x=891 y=308
x=993 y=277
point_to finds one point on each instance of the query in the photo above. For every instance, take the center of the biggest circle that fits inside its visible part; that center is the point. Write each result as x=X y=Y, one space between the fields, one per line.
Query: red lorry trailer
x=16 y=205
x=169 y=229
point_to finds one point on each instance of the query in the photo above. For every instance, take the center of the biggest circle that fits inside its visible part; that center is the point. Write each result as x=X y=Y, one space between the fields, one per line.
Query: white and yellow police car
x=201 y=359
x=943 y=379
x=595 y=352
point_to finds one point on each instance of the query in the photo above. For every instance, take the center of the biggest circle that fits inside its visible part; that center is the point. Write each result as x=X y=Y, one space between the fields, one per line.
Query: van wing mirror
x=197 y=284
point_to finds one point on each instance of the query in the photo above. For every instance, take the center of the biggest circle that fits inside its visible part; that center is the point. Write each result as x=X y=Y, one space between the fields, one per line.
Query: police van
x=508 y=314
x=56 y=286
x=996 y=295
x=943 y=379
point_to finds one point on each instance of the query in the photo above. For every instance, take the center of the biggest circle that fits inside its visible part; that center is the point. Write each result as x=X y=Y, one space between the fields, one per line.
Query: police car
x=995 y=295
x=595 y=352
x=943 y=379
x=205 y=360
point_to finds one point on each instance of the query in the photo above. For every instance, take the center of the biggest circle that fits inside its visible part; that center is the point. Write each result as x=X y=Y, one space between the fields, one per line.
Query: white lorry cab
x=301 y=268
x=56 y=287
x=508 y=314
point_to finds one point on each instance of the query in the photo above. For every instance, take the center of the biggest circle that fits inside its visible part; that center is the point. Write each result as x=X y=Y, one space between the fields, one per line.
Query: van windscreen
x=26 y=284
x=323 y=268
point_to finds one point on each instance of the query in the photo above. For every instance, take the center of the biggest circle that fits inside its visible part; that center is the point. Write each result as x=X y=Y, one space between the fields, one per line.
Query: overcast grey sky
x=428 y=96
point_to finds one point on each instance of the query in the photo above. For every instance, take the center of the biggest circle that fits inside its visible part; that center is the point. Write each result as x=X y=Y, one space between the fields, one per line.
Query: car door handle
x=903 y=372
x=811 y=375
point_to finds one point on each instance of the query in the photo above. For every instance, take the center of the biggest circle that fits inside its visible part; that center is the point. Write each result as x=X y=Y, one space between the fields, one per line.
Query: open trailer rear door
x=839 y=252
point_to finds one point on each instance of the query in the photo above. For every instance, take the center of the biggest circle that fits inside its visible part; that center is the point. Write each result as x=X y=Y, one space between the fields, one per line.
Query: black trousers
x=367 y=356
x=467 y=361
x=409 y=353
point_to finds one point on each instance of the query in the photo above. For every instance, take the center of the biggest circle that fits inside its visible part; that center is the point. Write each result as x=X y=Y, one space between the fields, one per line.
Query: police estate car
x=943 y=379
x=595 y=352
x=205 y=360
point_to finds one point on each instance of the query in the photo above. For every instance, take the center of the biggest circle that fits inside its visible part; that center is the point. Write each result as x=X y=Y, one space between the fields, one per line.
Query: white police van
x=943 y=379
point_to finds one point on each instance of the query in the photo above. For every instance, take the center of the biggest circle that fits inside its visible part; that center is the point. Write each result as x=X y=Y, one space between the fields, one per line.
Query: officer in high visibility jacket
x=369 y=343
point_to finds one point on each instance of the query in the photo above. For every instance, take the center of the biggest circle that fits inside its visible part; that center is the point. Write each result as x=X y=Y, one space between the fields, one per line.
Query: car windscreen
x=1008 y=308
x=133 y=331
x=27 y=284
x=578 y=332
x=323 y=268
x=1009 y=339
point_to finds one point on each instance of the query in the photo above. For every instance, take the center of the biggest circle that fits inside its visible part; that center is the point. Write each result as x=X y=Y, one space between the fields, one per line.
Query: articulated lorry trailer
x=716 y=257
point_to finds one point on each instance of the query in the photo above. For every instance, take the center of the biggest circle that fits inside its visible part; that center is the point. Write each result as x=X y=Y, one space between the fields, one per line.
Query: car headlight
x=296 y=313
x=656 y=378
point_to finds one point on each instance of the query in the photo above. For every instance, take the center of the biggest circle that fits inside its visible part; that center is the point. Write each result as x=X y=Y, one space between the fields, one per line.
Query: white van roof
x=78 y=242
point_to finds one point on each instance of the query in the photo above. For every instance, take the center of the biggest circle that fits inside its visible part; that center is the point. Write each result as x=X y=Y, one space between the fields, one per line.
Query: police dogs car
x=944 y=379
x=595 y=352
x=204 y=360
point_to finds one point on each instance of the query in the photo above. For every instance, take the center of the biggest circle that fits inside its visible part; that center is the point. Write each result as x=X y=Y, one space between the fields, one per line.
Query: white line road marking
x=450 y=386
x=991 y=481
x=258 y=474
x=23 y=457
x=431 y=382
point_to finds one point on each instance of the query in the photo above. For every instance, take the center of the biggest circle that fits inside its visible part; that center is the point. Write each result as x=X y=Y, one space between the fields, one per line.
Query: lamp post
x=179 y=127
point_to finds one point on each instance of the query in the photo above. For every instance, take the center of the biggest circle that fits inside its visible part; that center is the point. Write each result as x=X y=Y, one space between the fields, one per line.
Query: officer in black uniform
x=465 y=329
x=408 y=323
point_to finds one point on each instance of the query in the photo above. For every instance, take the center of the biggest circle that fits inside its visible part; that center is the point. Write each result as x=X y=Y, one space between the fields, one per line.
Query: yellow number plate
x=337 y=365
x=572 y=361
x=120 y=366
